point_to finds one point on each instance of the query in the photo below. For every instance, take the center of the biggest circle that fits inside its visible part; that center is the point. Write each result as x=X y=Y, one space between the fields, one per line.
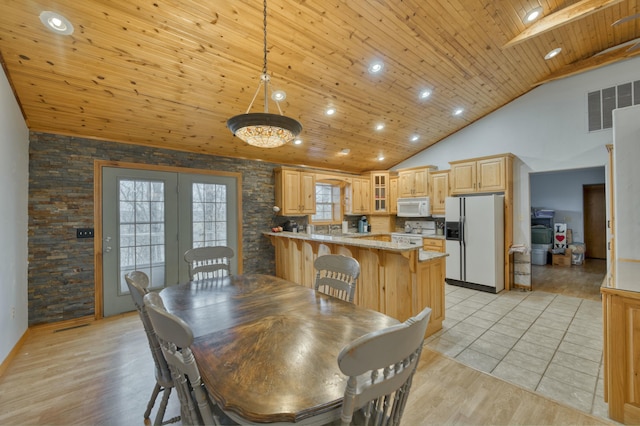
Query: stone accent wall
x=61 y=270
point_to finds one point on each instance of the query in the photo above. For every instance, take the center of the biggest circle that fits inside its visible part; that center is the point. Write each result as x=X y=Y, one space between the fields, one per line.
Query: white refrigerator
x=474 y=236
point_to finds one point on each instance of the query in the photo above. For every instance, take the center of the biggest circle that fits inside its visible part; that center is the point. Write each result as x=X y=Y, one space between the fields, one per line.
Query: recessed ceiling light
x=414 y=138
x=330 y=111
x=279 y=95
x=345 y=151
x=375 y=67
x=297 y=141
x=553 y=53
x=424 y=94
x=458 y=111
x=533 y=14
x=56 y=22
x=379 y=126
x=380 y=157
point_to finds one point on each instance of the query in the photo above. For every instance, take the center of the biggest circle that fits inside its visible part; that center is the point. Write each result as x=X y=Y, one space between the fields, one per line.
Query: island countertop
x=360 y=240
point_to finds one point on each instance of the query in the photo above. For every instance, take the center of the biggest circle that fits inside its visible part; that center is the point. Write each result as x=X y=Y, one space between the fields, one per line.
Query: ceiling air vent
x=601 y=103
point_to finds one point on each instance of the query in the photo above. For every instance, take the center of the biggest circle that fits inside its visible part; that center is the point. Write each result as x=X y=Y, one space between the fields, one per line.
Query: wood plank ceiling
x=169 y=73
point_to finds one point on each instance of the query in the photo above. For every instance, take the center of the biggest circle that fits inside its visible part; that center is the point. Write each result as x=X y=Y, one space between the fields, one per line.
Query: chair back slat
x=336 y=275
x=209 y=262
x=380 y=366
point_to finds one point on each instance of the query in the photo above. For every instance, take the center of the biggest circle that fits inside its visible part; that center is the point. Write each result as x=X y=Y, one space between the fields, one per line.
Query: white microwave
x=414 y=207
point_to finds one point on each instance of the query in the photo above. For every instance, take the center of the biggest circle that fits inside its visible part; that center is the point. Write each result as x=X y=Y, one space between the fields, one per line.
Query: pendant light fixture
x=263 y=129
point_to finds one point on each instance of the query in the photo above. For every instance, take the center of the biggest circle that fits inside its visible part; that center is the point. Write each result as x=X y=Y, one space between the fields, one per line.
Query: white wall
x=14 y=175
x=545 y=128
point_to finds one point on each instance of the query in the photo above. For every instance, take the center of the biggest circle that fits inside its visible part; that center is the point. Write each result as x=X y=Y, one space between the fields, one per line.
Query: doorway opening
x=576 y=198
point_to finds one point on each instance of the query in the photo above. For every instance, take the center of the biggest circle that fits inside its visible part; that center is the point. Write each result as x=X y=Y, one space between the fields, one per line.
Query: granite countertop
x=358 y=240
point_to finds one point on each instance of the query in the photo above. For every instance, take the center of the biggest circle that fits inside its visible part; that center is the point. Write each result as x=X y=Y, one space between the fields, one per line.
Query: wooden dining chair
x=380 y=366
x=175 y=337
x=209 y=262
x=336 y=275
x=138 y=283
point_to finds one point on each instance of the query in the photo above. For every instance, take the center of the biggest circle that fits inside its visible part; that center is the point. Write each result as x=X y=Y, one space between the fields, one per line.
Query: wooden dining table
x=267 y=348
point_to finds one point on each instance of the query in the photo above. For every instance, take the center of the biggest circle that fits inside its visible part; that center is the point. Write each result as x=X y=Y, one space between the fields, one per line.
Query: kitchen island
x=397 y=279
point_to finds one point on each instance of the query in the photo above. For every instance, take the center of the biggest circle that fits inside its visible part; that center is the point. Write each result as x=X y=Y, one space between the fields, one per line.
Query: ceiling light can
x=424 y=94
x=55 y=22
x=533 y=14
x=553 y=53
x=279 y=95
x=375 y=67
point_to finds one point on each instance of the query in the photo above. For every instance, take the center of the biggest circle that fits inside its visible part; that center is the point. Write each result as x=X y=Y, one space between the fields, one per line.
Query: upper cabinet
x=487 y=174
x=380 y=195
x=359 y=199
x=439 y=190
x=393 y=194
x=295 y=192
x=414 y=182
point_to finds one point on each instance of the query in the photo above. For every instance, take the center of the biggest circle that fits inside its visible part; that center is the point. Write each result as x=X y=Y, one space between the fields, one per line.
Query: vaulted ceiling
x=170 y=73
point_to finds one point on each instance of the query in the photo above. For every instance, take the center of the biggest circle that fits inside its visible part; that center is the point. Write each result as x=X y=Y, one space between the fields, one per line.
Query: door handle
x=108 y=248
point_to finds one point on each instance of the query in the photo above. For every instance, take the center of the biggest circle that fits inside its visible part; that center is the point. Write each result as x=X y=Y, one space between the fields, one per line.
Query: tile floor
x=545 y=342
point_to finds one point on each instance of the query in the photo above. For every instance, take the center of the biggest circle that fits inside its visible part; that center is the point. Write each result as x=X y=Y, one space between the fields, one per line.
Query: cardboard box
x=562 y=259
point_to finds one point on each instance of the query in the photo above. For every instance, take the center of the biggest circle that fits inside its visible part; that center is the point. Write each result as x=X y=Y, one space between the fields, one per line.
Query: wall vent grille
x=601 y=103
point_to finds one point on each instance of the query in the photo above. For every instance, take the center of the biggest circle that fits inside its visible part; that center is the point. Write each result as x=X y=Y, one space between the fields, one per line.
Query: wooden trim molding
x=14 y=352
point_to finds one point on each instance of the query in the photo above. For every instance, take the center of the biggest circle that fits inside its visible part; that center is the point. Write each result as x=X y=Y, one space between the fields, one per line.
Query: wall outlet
x=84 y=233
x=13 y=312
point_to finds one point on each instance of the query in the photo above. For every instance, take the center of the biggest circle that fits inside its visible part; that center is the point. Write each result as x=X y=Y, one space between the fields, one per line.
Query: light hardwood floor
x=102 y=374
x=582 y=281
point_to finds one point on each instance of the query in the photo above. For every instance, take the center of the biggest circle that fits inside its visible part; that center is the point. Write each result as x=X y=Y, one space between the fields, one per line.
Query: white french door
x=150 y=218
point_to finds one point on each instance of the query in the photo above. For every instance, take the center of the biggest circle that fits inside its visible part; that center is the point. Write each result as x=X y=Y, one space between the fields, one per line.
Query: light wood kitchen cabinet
x=393 y=194
x=295 y=192
x=431 y=295
x=487 y=174
x=621 y=320
x=379 y=192
x=439 y=190
x=414 y=182
x=433 y=244
x=359 y=200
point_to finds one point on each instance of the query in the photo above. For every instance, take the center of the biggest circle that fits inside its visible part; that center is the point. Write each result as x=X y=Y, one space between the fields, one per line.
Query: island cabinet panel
x=621 y=317
x=432 y=295
x=396 y=284
x=392 y=281
x=367 y=288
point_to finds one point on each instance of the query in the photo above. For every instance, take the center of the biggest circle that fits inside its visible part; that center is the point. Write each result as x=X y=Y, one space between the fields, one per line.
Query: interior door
x=595 y=221
x=150 y=218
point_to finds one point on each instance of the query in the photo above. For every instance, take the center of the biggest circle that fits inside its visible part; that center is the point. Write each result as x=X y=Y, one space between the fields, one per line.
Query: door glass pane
x=209 y=214
x=141 y=230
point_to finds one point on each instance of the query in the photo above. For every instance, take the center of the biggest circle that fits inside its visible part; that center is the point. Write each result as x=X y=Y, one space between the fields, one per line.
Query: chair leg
x=152 y=400
x=163 y=407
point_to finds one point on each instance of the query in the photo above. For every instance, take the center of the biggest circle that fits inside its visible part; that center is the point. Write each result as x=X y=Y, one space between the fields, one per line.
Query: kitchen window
x=328 y=204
